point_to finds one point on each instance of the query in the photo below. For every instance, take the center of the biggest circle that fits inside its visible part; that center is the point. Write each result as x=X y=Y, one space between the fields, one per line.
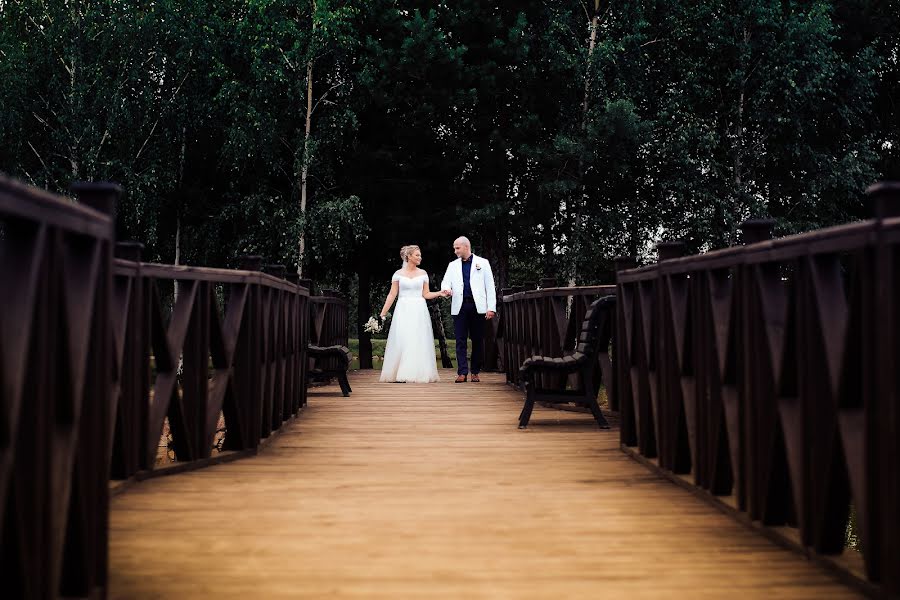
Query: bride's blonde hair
x=407 y=251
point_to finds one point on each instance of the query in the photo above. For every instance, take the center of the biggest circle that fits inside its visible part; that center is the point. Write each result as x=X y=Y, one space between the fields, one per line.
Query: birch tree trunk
x=178 y=213
x=726 y=221
x=304 y=168
x=177 y=249
x=739 y=125
x=592 y=43
x=585 y=105
x=181 y=160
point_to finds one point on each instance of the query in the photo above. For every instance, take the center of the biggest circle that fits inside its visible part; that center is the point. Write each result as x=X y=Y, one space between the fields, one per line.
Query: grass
x=378 y=356
x=378 y=353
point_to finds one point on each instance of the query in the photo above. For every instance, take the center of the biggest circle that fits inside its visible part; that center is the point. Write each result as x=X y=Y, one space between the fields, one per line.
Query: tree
x=556 y=135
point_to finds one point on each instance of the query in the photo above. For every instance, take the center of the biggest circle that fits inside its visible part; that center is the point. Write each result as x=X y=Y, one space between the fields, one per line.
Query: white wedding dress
x=409 y=355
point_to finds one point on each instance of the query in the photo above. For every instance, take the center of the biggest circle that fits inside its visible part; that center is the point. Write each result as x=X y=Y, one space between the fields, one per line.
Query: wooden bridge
x=753 y=391
x=420 y=491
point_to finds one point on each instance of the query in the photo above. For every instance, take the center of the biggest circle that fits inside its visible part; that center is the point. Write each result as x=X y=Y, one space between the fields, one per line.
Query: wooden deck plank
x=430 y=491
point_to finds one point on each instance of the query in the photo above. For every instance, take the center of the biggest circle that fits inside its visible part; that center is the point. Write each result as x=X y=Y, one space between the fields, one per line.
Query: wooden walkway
x=430 y=491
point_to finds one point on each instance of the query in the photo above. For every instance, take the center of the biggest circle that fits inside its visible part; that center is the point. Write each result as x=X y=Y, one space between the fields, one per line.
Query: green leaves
x=493 y=120
x=335 y=227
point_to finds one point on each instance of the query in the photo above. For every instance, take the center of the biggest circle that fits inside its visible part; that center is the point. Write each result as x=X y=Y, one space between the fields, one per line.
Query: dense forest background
x=555 y=134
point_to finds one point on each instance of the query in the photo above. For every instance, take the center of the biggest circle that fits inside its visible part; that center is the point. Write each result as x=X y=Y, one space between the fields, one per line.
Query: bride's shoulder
x=396 y=276
x=422 y=272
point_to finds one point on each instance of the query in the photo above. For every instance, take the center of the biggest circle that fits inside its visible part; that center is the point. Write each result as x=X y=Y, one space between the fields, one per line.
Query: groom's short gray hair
x=464 y=240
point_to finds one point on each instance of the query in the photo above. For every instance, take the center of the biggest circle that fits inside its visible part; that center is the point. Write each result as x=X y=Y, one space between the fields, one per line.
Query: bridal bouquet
x=373 y=325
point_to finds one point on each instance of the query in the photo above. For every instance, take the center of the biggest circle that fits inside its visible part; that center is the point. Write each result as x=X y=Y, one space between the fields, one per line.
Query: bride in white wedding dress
x=409 y=355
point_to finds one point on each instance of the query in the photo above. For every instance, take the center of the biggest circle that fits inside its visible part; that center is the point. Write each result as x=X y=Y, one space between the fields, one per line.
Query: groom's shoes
x=461 y=379
x=475 y=378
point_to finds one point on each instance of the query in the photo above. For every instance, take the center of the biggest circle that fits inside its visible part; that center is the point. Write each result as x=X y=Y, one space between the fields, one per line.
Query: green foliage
x=378 y=346
x=492 y=120
x=338 y=228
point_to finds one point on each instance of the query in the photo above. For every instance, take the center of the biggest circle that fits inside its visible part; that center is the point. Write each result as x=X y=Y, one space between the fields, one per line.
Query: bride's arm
x=431 y=295
x=392 y=295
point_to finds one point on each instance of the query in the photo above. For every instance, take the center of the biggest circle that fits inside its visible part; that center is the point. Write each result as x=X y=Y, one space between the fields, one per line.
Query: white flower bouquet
x=373 y=325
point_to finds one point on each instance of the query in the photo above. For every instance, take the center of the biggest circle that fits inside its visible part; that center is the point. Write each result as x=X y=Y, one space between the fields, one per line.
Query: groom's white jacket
x=481 y=279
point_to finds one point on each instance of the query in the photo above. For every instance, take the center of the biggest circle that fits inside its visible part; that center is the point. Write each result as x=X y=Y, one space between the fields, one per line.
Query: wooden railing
x=762 y=376
x=330 y=324
x=330 y=319
x=232 y=345
x=547 y=322
x=57 y=398
x=493 y=345
x=96 y=356
x=766 y=376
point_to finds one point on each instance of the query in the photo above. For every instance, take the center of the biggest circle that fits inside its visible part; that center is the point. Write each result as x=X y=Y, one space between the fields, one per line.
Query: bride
x=409 y=355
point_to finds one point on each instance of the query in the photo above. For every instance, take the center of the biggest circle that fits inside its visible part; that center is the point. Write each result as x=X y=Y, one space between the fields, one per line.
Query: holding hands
x=446 y=293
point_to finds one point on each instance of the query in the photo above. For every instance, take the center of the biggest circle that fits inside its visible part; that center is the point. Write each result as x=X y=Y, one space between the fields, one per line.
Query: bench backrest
x=595 y=336
x=596 y=328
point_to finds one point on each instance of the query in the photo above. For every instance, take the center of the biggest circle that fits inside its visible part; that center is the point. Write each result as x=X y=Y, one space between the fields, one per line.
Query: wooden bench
x=339 y=367
x=596 y=331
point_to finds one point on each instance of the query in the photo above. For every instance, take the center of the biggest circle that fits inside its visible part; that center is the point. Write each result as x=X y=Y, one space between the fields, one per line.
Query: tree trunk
x=177 y=252
x=304 y=168
x=727 y=222
x=549 y=244
x=592 y=43
x=585 y=106
x=178 y=212
x=728 y=225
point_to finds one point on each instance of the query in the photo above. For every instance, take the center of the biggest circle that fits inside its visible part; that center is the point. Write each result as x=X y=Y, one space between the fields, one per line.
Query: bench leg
x=345 y=384
x=590 y=398
x=525 y=415
x=598 y=414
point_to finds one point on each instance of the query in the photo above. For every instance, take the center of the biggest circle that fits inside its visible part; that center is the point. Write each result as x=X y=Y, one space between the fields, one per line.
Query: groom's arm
x=490 y=290
x=446 y=282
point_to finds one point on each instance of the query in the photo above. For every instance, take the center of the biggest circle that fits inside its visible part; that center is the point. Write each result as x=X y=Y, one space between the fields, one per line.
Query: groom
x=471 y=283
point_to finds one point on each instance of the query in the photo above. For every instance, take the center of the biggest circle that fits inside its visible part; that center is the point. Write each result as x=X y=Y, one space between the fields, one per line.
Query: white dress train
x=409 y=354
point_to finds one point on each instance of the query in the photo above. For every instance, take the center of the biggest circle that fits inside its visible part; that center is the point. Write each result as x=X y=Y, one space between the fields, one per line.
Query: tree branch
x=41 y=120
x=100 y=145
x=163 y=112
x=287 y=60
x=28 y=175
x=751 y=71
x=46 y=169
x=605 y=15
x=587 y=13
x=38 y=27
x=322 y=183
x=322 y=97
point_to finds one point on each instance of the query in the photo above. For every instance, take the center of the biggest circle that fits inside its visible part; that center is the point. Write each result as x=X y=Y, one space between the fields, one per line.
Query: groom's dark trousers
x=469 y=323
